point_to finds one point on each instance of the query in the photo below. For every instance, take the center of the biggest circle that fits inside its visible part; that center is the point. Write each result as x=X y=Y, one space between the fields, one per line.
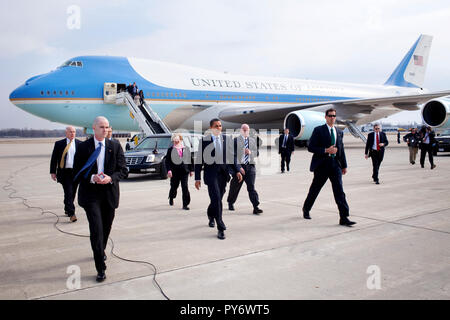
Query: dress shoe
x=230 y=207
x=282 y=171
x=377 y=182
x=306 y=215
x=211 y=223
x=433 y=166
x=185 y=208
x=171 y=201
x=221 y=235
x=413 y=162
x=346 y=222
x=101 y=276
x=73 y=218
x=257 y=210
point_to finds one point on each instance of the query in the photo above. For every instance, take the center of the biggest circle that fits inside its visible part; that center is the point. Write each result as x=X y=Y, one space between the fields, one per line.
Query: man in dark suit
x=376 y=142
x=285 y=148
x=217 y=165
x=100 y=165
x=427 y=140
x=328 y=162
x=245 y=152
x=61 y=169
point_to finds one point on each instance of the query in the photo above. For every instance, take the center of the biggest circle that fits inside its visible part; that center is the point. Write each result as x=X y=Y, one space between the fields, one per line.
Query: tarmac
x=399 y=248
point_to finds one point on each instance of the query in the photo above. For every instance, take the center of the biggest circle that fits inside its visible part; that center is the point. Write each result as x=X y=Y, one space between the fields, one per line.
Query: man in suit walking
x=61 y=169
x=427 y=138
x=328 y=162
x=285 y=149
x=376 y=142
x=100 y=165
x=245 y=151
x=217 y=164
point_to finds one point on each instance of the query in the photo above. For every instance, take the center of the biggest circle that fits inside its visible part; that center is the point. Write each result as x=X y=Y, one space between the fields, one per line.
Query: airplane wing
x=359 y=111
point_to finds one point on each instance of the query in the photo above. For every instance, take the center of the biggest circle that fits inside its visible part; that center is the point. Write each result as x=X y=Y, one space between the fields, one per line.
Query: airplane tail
x=411 y=70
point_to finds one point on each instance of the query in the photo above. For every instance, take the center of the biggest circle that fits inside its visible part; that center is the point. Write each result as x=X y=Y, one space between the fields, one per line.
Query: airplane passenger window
x=42 y=93
x=79 y=64
x=48 y=93
x=73 y=92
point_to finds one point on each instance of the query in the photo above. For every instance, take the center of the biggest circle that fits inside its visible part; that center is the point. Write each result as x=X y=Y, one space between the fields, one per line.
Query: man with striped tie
x=245 y=152
x=61 y=169
x=100 y=165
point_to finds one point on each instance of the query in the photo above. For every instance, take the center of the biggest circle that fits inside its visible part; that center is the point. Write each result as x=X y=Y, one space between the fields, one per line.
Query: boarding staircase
x=149 y=122
x=354 y=130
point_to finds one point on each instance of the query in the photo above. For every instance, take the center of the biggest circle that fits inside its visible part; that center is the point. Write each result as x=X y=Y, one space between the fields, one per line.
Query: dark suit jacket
x=179 y=165
x=114 y=166
x=319 y=141
x=212 y=169
x=289 y=143
x=370 y=142
x=58 y=150
x=239 y=151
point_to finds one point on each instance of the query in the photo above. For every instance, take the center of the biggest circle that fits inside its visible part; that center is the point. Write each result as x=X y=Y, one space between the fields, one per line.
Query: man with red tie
x=376 y=142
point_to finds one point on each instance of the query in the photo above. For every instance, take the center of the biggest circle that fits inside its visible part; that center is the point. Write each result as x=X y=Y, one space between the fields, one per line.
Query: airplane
x=85 y=87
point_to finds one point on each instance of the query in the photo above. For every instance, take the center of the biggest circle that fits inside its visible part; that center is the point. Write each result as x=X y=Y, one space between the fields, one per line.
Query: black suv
x=443 y=142
x=148 y=156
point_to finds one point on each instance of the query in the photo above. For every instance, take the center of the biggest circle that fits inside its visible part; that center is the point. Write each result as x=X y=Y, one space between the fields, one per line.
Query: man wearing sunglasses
x=328 y=162
x=376 y=142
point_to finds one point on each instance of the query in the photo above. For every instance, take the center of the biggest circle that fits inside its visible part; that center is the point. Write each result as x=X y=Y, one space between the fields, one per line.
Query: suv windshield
x=150 y=143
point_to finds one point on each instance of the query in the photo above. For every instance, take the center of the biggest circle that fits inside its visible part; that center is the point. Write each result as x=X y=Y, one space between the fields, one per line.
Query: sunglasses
x=331 y=115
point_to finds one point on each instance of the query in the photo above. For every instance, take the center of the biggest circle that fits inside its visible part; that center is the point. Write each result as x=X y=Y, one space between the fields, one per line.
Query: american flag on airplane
x=418 y=60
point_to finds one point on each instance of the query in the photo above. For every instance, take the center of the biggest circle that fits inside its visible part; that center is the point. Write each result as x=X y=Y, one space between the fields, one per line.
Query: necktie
x=62 y=163
x=218 y=151
x=333 y=141
x=90 y=162
x=246 y=147
x=284 y=141
x=378 y=142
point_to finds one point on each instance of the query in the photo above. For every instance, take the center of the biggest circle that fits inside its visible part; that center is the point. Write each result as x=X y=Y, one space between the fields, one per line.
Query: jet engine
x=436 y=113
x=301 y=123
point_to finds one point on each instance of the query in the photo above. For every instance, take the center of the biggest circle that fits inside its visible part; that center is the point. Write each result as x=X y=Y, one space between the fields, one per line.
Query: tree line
x=36 y=133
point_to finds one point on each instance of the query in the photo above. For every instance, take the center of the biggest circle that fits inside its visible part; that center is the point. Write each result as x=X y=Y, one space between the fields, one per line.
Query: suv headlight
x=150 y=158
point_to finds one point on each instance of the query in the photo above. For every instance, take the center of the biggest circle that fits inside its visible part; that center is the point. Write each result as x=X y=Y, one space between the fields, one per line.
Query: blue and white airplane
x=85 y=87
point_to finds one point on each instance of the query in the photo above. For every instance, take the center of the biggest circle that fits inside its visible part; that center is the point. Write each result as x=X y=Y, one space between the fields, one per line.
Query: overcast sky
x=350 y=41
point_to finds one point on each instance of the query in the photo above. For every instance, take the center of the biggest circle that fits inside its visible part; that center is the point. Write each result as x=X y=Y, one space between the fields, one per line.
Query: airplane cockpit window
x=71 y=64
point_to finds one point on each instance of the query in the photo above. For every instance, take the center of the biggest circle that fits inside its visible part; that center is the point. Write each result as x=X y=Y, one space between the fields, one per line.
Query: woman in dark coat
x=179 y=166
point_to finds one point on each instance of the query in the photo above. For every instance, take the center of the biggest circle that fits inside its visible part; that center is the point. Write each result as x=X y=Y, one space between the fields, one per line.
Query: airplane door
x=109 y=92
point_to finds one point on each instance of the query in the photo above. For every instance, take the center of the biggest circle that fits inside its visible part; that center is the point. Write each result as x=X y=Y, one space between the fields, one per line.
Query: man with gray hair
x=376 y=142
x=100 y=165
x=61 y=169
x=245 y=152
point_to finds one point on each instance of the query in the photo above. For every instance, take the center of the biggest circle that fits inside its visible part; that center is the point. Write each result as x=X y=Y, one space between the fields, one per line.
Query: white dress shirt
x=374 y=147
x=100 y=158
x=70 y=154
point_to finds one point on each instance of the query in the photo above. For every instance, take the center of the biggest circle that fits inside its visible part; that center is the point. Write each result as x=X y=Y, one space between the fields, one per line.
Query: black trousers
x=174 y=184
x=249 y=178
x=65 y=177
x=376 y=162
x=100 y=216
x=285 y=158
x=424 y=149
x=329 y=169
x=216 y=190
